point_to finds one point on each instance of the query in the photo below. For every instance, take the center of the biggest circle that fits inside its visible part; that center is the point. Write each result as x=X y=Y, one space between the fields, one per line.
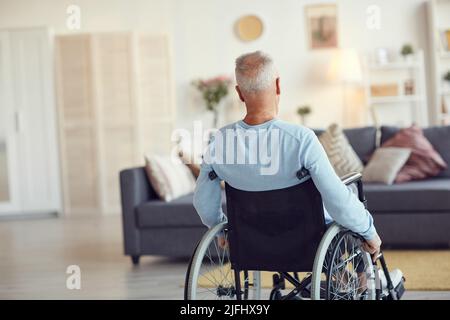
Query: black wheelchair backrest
x=275 y=230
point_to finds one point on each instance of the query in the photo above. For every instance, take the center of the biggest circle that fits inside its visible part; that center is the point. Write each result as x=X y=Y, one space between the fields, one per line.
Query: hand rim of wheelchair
x=254 y=290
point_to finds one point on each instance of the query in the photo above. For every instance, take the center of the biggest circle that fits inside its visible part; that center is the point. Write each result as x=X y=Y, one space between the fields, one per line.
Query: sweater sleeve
x=340 y=202
x=208 y=198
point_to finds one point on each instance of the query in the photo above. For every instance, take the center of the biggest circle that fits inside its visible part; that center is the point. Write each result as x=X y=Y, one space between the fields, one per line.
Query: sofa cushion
x=385 y=164
x=431 y=195
x=339 y=151
x=439 y=138
x=176 y=213
x=363 y=141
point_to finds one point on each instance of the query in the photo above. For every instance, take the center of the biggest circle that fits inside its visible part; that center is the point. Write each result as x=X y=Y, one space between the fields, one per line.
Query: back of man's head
x=255 y=72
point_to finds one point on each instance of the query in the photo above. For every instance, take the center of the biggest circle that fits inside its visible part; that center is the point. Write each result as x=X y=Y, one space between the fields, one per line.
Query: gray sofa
x=414 y=214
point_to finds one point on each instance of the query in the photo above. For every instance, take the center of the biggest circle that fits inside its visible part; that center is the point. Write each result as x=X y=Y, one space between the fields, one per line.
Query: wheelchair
x=283 y=231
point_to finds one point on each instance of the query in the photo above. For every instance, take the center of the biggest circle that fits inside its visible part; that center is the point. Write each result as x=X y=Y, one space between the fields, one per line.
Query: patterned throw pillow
x=424 y=162
x=339 y=151
x=169 y=178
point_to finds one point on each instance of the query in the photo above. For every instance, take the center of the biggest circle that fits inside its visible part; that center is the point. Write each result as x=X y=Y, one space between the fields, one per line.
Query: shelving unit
x=438 y=22
x=402 y=109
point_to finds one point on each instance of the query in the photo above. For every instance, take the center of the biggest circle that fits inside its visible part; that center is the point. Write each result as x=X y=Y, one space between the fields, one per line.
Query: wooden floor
x=34 y=255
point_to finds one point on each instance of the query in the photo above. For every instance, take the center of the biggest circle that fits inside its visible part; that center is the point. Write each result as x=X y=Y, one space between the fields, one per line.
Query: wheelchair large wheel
x=342 y=269
x=209 y=275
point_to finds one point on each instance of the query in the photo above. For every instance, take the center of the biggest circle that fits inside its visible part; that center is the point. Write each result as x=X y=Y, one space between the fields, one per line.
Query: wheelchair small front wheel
x=342 y=269
x=209 y=275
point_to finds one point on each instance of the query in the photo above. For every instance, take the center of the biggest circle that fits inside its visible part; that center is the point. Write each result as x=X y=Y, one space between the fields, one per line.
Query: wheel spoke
x=345 y=280
x=211 y=273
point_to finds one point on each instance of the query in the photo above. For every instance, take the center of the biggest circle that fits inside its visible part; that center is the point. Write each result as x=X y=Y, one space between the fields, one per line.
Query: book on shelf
x=445 y=40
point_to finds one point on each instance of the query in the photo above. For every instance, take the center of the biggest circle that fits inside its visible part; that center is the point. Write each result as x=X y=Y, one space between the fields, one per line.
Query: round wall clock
x=249 y=28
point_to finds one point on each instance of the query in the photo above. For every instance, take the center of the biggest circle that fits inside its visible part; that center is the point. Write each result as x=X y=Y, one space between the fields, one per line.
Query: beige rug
x=424 y=270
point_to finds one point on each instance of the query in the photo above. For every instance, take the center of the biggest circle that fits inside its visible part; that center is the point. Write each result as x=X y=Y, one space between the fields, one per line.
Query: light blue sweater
x=236 y=159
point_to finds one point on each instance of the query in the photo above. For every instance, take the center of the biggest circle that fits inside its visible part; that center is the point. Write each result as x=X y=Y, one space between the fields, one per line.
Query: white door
x=9 y=195
x=28 y=124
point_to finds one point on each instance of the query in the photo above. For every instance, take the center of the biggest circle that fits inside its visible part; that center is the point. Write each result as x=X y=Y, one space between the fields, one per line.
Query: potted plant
x=303 y=112
x=447 y=76
x=447 y=79
x=213 y=91
x=407 y=51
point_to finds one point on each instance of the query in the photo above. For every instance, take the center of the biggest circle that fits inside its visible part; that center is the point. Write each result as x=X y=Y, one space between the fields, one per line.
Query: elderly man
x=250 y=165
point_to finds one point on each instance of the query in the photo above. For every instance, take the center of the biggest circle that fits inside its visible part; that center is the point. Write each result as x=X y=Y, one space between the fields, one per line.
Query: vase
x=215 y=112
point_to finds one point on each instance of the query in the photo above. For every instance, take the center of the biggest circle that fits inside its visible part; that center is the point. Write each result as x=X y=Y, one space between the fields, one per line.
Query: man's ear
x=277 y=81
x=239 y=93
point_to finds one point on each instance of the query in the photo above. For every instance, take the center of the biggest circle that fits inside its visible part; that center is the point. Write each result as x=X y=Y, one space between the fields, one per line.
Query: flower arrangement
x=213 y=91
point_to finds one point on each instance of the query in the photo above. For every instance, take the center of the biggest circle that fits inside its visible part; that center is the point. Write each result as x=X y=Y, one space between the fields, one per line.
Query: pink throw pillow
x=424 y=161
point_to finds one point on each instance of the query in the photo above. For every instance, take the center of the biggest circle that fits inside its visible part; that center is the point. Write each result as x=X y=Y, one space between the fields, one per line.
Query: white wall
x=204 y=43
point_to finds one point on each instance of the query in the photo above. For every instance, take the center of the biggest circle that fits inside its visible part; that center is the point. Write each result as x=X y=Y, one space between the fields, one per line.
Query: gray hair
x=255 y=71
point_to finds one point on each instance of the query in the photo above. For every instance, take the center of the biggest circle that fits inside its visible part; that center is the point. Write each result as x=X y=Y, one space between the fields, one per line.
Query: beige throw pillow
x=385 y=164
x=339 y=151
x=169 y=178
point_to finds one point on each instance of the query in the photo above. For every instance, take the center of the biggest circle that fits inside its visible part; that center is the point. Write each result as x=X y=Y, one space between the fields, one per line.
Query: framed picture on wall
x=321 y=26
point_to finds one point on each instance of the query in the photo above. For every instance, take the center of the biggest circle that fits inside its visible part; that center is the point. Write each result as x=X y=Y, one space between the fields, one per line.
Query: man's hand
x=223 y=242
x=372 y=246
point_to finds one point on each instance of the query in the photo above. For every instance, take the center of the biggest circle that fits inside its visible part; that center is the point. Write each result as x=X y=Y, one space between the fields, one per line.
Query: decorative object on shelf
x=213 y=91
x=444 y=106
x=445 y=40
x=249 y=28
x=303 y=112
x=447 y=76
x=382 y=56
x=407 y=51
x=384 y=90
x=322 y=26
x=409 y=87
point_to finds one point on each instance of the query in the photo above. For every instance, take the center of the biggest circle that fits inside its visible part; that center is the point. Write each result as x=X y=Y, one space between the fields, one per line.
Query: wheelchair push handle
x=351 y=177
x=355 y=177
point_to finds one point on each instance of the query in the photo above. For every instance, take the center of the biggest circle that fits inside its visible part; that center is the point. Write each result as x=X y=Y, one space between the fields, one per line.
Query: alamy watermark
x=373 y=20
x=73 y=21
x=230 y=146
x=73 y=281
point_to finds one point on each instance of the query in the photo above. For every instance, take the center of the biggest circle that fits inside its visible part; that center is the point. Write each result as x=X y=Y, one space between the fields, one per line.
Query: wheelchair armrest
x=355 y=177
x=351 y=178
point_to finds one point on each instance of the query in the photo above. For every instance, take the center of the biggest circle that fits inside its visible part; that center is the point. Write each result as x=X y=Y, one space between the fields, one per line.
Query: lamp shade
x=346 y=67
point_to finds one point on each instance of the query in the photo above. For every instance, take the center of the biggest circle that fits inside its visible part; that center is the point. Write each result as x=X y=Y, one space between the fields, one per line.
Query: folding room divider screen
x=115 y=103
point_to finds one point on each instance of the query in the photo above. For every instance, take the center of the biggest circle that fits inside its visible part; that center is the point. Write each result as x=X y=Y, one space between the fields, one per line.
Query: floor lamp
x=345 y=68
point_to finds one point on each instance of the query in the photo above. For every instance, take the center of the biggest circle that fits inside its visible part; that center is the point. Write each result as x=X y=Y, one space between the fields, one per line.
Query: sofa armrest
x=135 y=190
